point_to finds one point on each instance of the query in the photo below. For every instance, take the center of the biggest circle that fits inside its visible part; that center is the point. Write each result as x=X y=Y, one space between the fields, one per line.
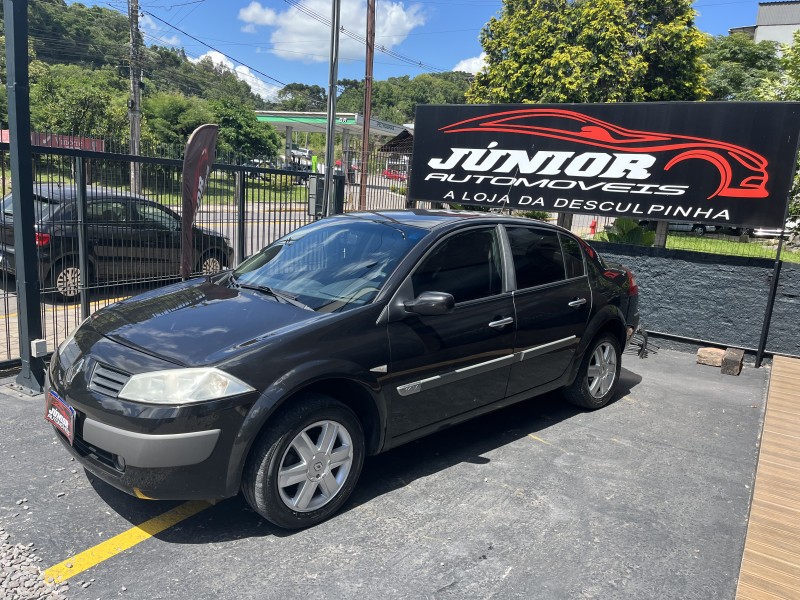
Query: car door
x=552 y=301
x=109 y=235
x=446 y=365
x=159 y=239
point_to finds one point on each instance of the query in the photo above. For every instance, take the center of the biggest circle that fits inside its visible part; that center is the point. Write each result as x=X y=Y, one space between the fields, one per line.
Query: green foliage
x=171 y=118
x=541 y=215
x=591 y=51
x=627 y=231
x=301 y=97
x=396 y=98
x=241 y=133
x=71 y=99
x=737 y=65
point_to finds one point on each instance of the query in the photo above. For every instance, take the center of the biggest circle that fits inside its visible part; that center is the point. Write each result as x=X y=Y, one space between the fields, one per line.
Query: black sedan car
x=128 y=238
x=343 y=339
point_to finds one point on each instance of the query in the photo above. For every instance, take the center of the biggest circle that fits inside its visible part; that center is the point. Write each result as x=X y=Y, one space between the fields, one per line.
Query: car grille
x=107 y=380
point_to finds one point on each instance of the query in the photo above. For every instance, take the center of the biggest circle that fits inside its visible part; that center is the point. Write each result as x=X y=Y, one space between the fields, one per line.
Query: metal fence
x=131 y=242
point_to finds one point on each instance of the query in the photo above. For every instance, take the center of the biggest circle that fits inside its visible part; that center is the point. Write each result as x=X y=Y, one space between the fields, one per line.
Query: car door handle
x=501 y=322
x=577 y=302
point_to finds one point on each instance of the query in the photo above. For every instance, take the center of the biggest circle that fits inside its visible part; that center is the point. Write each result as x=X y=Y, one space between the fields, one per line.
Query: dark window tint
x=537 y=256
x=573 y=257
x=466 y=265
x=154 y=217
x=106 y=212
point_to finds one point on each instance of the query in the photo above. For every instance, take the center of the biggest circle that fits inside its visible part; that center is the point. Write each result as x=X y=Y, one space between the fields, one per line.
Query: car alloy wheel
x=211 y=265
x=598 y=374
x=68 y=281
x=306 y=462
x=315 y=466
x=602 y=372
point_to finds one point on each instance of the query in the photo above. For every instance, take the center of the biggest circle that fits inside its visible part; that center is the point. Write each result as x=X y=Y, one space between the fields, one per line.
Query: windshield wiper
x=268 y=290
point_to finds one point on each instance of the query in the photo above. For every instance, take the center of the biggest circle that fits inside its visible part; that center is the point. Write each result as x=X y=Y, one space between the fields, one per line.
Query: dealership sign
x=727 y=163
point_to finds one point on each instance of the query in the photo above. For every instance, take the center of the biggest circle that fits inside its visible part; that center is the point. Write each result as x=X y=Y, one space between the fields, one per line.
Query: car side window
x=573 y=257
x=154 y=217
x=467 y=265
x=106 y=212
x=537 y=256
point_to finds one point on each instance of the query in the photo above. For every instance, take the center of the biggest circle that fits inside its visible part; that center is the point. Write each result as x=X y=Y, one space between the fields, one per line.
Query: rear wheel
x=699 y=229
x=212 y=262
x=598 y=375
x=66 y=279
x=306 y=464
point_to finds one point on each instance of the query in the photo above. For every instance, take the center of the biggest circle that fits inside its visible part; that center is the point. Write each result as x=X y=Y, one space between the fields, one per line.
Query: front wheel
x=306 y=463
x=699 y=229
x=598 y=374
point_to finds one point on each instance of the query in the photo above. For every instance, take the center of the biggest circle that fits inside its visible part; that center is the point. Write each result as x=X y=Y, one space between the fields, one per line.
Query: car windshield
x=332 y=265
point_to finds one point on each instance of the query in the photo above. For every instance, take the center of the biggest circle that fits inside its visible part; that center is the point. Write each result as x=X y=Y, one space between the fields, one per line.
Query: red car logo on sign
x=743 y=173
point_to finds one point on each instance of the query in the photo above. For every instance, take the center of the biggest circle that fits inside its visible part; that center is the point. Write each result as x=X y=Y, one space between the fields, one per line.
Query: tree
x=590 y=51
x=242 y=134
x=170 y=118
x=737 y=65
x=301 y=97
x=73 y=100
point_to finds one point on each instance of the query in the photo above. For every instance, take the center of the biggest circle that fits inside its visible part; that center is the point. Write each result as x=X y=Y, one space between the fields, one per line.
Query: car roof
x=435 y=219
x=55 y=193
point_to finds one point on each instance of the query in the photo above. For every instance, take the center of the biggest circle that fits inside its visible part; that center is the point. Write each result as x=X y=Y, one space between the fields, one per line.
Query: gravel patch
x=20 y=576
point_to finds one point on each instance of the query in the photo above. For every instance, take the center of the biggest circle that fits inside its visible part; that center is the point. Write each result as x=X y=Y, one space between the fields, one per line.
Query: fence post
x=31 y=377
x=662 y=229
x=83 y=238
x=240 y=215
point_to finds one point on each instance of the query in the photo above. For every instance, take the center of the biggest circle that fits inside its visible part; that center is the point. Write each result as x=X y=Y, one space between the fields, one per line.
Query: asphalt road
x=646 y=498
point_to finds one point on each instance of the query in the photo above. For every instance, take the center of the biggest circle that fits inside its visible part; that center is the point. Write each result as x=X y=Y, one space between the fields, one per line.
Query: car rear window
x=537 y=256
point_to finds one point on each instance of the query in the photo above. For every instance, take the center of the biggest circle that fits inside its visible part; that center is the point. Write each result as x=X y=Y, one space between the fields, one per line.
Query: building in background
x=776 y=21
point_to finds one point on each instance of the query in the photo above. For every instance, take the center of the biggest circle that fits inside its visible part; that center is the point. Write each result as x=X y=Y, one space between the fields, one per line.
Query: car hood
x=198 y=322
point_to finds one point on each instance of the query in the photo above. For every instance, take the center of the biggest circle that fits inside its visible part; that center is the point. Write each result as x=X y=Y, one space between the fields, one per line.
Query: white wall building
x=776 y=21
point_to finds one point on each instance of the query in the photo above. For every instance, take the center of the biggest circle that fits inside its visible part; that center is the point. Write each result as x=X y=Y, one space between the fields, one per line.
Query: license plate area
x=60 y=414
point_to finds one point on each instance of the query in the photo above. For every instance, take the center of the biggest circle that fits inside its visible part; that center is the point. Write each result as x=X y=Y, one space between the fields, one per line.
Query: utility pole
x=333 y=78
x=362 y=194
x=134 y=104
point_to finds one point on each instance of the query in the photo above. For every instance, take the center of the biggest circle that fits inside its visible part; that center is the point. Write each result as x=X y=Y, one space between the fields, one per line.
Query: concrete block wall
x=711 y=297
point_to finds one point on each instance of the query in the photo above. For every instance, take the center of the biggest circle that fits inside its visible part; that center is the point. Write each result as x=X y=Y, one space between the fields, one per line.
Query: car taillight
x=42 y=239
x=633 y=288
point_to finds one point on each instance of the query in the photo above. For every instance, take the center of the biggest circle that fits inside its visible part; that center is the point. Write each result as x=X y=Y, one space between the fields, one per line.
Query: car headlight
x=182 y=386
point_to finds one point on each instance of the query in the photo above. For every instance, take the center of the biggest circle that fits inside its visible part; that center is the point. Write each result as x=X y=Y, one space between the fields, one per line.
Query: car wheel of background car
x=212 y=262
x=306 y=463
x=66 y=278
x=699 y=229
x=598 y=374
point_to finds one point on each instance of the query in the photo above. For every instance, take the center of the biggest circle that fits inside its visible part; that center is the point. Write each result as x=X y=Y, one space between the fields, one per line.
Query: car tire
x=212 y=262
x=306 y=463
x=65 y=278
x=699 y=229
x=598 y=375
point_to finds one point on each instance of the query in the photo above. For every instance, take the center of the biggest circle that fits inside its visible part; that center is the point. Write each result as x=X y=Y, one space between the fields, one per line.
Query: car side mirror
x=431 y=303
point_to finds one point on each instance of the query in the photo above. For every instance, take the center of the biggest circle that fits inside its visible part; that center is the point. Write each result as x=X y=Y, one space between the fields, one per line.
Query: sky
x=274 y=42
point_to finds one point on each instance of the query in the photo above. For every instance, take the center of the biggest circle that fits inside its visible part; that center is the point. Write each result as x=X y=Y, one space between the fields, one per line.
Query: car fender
x=607 y=315
x=288 y=385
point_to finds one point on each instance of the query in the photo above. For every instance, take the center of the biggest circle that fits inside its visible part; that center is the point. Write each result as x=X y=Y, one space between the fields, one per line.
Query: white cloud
x=265 y=90
x=255 y=14
x=297 y=36
x=156 y=33
x=471 y=65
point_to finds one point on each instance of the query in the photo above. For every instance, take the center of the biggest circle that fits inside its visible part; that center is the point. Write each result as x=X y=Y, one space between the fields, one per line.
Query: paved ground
x=647 y=498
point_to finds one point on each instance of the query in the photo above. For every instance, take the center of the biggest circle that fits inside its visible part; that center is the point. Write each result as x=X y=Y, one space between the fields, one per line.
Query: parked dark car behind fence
x=129 y=238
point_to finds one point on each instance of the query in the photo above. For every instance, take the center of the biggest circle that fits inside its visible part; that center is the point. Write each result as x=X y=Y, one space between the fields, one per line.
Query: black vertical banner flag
x=197 y=161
